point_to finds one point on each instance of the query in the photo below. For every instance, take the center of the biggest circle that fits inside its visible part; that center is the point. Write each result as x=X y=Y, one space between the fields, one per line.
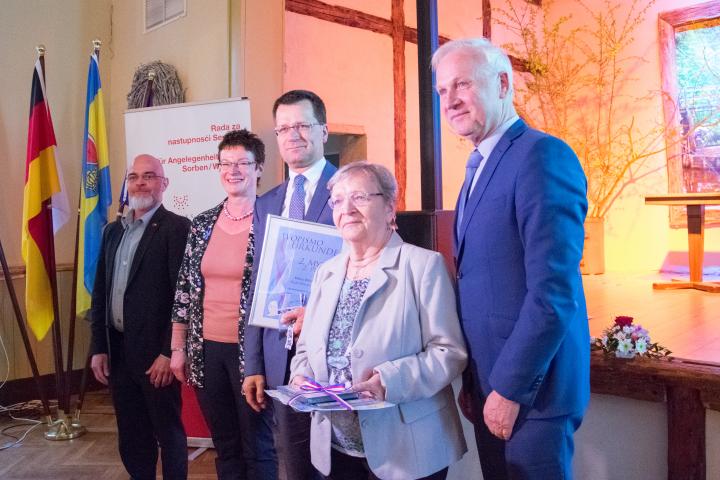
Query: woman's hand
x=177 y=365
x=372 y=386
x=297 y=381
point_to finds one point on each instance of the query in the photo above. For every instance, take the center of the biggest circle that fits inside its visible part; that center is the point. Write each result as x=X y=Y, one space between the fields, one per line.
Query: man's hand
x=100 y=367
x=295 y=318
x=500 y=415
x=177 y=365
x=159 y=372
x=466 y=405
x=373 y=386
x=254 y=390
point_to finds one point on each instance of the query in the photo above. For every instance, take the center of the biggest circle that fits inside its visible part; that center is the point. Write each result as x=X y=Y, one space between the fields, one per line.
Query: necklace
x=234 y=218
x=360 y=266
x=362 y=263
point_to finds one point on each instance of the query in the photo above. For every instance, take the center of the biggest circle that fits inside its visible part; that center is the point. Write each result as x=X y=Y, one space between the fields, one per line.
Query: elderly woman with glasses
x=381 y=316
x=209 y=314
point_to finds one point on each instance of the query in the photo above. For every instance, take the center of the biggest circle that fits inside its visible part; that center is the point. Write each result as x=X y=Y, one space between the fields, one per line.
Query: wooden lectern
x=695 y=203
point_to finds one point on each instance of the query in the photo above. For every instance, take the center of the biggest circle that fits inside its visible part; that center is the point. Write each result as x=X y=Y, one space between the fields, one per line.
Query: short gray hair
x=489 y=58
x=387 y=185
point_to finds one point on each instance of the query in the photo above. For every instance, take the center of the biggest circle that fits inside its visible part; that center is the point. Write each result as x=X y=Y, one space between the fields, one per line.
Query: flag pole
x=60 y=429
x=73 y=305
x=24 y=335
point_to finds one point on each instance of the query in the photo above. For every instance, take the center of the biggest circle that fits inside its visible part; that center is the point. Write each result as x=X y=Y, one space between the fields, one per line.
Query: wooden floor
x=686 y=321
x=94 y=456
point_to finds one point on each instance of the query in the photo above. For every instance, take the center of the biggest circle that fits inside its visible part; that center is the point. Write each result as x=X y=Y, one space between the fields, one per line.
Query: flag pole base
x=65 y=428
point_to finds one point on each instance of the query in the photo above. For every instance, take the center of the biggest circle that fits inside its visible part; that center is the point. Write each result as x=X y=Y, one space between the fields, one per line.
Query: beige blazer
x=407 y=329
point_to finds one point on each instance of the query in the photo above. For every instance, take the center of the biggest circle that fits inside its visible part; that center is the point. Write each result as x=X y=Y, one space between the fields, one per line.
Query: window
x=691 y=79
x=162 y=12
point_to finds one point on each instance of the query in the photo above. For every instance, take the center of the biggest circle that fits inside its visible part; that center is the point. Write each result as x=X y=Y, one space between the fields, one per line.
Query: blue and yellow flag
x=95 y=192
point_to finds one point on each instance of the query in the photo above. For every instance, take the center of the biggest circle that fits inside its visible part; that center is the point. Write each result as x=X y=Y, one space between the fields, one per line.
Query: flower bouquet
x=625 y=340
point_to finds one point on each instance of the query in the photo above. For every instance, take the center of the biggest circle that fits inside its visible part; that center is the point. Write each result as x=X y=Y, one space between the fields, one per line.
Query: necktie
x=470 y=168
x=297 y=201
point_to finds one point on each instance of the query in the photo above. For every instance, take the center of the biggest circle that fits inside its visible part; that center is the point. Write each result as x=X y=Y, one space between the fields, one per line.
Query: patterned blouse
x=188 y=307
x=346 y=434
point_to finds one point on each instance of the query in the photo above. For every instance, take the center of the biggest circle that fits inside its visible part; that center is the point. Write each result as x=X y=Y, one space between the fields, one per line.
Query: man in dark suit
x=131 y=305
x=301 y=129
x=518 y=243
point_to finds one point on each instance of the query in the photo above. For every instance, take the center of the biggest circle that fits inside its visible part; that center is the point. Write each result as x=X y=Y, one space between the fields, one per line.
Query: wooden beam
x=606 y=372
x=487 y=19
x=691 y=14
x=399 y=99
x=350 y=18
x=686 y=434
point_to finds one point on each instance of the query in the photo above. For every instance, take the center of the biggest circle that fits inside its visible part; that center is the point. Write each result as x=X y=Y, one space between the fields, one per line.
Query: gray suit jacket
x=406 y=329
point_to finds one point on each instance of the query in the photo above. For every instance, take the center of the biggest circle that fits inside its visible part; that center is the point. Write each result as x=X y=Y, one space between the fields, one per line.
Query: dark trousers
x=347 y=467
x=539 y=448
x=146 y=417
x=242 y=438
x=291 y=430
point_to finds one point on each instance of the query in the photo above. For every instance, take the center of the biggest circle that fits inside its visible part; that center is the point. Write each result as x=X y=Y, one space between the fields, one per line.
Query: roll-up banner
x=185 y=137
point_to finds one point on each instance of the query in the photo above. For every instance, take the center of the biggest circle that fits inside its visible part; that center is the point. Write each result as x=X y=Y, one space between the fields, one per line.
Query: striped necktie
x=470 y=168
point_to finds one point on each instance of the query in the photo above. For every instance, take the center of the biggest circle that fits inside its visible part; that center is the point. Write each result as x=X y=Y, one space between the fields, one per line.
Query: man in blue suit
x=301 y=129
x=518 y=243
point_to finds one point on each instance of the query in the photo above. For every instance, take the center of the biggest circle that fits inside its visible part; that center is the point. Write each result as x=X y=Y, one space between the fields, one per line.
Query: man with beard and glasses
x=131 y=309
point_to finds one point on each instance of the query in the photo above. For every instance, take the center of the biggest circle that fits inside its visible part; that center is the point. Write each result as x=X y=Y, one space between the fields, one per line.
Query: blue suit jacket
x=265 y=352
x=521 y=299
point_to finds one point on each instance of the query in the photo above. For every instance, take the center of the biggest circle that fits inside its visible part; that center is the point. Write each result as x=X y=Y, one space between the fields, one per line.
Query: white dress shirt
x=312 y=178
x=486 y=147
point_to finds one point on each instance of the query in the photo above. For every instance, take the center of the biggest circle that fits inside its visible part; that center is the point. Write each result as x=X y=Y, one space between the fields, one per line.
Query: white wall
x=196 y=45
x=67 y=30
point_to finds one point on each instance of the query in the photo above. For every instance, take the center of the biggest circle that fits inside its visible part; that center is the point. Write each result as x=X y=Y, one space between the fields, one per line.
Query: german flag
x=43 y=188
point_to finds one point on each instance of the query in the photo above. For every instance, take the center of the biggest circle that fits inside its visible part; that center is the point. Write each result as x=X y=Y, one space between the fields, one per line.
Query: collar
x=486 y=146
x=312 y=174
x=129 y=218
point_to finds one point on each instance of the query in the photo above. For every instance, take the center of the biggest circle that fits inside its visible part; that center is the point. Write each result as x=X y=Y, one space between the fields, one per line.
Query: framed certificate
x=292 y=251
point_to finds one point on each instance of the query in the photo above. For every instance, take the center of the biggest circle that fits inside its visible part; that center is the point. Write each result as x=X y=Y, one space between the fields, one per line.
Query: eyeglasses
x=148 y=177
x=233 y=165
x=359 y=199
x=302 y=128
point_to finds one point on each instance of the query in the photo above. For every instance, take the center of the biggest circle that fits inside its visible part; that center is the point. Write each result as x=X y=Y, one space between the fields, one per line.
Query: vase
x=593 y=259
x=620 y=354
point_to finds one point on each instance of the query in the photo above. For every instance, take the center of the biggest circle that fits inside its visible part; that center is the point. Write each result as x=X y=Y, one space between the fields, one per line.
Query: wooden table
x=695 y=203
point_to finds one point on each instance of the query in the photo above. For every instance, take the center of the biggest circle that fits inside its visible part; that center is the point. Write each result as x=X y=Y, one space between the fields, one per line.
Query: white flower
x=625 y=346
x=641 y=346
x=604 y=340
x=620 y=336
x=181 y=312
